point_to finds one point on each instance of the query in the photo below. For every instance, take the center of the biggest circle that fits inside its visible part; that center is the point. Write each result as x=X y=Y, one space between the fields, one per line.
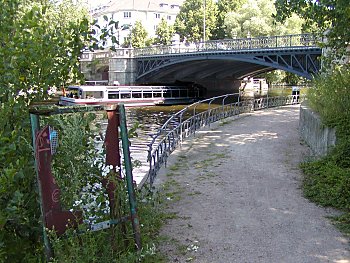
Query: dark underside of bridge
x=205 y=70
x=225 y=69
x=217 y=76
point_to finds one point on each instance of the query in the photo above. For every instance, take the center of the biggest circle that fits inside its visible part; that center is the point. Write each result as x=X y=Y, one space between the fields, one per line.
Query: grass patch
x=327 y=182
x=210 y=161
x=93 y=246
x=195 y=193
x=175 y=167
x=223 y=123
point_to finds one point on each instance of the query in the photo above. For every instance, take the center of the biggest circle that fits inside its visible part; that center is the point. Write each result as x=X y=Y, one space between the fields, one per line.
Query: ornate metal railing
x=190 y=119
x=291 y=41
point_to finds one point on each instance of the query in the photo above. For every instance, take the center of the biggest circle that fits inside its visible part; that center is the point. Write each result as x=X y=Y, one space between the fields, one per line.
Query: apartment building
x=127 y=12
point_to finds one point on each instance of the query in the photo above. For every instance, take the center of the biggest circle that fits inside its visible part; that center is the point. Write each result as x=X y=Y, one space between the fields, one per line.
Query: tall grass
x=330 y=96
x=79 y=169
x=327 y=181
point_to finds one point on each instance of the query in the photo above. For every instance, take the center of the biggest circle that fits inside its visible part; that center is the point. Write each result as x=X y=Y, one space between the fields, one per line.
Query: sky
x=95 y=3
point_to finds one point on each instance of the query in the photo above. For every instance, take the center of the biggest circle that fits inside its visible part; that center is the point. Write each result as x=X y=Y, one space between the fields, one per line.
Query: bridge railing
x=195 y=116
x=268 y=42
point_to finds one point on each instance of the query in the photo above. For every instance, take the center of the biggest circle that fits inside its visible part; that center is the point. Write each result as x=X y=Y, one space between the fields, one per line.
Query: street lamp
x=204 y=25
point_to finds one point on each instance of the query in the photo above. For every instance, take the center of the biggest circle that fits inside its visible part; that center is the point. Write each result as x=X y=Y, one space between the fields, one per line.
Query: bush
x=327 y=181
x=330 y=97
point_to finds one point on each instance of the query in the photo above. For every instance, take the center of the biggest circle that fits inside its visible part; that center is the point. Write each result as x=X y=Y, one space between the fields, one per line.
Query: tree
x=138 y=36
x=40 y=43
x=327 y=16
x=254 y=18
x=189 y=23
x=224 y=7
x=164 y=33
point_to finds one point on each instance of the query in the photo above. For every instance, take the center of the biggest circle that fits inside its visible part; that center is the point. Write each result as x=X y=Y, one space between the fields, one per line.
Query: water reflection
x=150 y=119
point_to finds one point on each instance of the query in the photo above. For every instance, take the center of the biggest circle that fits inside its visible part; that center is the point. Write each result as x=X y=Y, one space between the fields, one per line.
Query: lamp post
x=204 y=22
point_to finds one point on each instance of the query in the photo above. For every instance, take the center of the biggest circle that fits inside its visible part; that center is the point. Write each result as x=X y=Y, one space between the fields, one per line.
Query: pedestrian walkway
x=234 y=193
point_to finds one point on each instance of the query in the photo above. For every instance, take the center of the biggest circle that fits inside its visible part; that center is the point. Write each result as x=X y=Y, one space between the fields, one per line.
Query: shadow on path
x=235 y=192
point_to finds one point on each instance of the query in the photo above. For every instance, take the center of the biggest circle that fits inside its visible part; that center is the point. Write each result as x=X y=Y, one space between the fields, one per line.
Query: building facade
x=127 y=12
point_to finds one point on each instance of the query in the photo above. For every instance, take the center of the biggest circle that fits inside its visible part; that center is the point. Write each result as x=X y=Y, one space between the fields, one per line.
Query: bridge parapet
x=106 y=54
x=257 y=43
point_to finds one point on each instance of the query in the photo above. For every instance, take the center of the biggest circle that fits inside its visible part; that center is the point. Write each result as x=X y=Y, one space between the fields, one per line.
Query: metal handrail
x=265 y=42
x=176 y=128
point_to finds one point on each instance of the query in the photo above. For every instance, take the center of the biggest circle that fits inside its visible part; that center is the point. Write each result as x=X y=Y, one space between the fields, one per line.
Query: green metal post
x=129 y=180
x=34 y=120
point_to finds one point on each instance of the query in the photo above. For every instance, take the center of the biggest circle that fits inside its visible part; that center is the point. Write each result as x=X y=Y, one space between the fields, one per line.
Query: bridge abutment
x=110 y=66
x=122 y=67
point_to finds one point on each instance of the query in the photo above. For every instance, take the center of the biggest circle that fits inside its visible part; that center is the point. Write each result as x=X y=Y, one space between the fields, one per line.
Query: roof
x=89 y=88
x=139 y=5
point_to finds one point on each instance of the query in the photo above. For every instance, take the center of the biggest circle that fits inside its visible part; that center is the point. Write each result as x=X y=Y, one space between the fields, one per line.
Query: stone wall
x=122 y=67
x=108 y=65
x=319 y=137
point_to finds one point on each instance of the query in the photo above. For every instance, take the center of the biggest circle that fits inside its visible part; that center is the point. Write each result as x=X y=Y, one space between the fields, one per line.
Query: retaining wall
x=319 y=137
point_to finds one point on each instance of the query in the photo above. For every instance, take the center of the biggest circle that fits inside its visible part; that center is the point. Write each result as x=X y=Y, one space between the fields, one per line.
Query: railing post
x=209 y=112
x=276 y=39
x=194 y=120
x=34 y=120
x=181 y=129
x=129 y=180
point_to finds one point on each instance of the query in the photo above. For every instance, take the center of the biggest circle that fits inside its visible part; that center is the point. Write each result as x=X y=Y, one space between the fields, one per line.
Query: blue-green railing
x=195 y=116
x=266 y=42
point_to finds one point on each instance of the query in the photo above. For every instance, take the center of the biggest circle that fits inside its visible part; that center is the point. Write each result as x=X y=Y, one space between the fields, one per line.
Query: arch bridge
x=229 y=59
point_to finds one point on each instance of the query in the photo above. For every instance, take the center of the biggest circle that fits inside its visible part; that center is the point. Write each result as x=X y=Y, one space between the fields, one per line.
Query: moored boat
x=129 y=95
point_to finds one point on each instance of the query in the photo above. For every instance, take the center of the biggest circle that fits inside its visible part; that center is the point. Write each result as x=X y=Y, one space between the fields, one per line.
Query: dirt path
x=234 y=193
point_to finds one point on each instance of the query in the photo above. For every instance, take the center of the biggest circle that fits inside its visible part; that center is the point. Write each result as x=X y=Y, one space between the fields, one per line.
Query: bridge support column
x=122 y=67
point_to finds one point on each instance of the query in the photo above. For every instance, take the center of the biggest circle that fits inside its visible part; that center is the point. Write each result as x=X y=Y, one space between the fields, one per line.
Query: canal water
x=147 y=121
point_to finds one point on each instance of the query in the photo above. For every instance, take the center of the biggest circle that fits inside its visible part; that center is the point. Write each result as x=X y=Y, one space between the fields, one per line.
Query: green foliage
x=40 y=42
x=327 y=181
x=224 y=7
x=78 y=163
x=78 y=167
x=84 y=246
x=280 y=77
x=331 y=95
x=138 y=36
x=330 y=17
x=189 y=23
x=254 y=18
x=327 y=184
x=164 y=33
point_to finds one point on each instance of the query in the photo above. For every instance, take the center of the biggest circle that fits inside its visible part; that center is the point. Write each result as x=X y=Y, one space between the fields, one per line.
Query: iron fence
x=200 y=114
x=266 y=42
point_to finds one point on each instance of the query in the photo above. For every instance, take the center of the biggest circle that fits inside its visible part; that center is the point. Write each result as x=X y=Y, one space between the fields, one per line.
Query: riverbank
x=234 y=195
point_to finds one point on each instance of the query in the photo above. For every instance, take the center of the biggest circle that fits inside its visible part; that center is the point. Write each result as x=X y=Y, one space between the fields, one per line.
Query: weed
x=327 y=181
x=223 y=123
x=195 y=193
x=175 y=167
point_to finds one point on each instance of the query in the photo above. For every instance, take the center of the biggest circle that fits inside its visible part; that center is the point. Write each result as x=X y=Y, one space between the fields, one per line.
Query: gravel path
x=234 y=194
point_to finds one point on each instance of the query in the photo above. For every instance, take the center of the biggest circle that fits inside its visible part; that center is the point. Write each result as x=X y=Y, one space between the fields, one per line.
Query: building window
x=157 y=15
x=169 y=17
x=127 y=14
